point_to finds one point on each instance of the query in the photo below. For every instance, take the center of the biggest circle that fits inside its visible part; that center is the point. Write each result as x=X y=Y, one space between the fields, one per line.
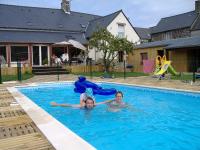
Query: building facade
x=29 y=34
x=177 y=37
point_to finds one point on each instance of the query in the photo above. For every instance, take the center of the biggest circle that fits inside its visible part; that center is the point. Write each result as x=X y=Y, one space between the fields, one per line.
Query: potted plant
x=45 y=62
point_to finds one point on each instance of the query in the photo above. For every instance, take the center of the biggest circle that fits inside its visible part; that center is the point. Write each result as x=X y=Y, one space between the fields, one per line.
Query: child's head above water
x=89 y=103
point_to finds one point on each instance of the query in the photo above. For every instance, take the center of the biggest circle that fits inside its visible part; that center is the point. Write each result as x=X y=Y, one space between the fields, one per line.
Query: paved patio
x=18 y=131
x=145 y=80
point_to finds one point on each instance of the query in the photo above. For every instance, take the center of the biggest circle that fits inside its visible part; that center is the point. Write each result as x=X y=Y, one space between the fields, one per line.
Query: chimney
x=65 y=6
x=197 y=6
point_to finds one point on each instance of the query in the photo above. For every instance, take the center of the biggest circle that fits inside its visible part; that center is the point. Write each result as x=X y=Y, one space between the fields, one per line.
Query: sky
x=141 y=13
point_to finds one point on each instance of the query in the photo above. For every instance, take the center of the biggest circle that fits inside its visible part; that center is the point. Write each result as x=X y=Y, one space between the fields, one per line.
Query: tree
x=110 y=45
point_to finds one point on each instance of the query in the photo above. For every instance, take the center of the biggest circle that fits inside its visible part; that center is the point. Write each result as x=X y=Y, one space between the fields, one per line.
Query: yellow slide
x=164 y=68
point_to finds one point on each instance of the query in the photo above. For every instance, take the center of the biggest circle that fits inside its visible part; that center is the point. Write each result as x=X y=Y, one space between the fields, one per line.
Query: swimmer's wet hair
x=119 y=92
x=89 y=98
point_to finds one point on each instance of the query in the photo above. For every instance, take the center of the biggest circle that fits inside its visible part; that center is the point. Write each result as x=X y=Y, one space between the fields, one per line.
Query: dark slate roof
x=33 y=24
x=39 y=37
x=175 y=22
x=173 y=44
x=185 y=42
x=42 y=18
x=196 y=25
x=101 y=22
x=153 y=44
x=144 y=33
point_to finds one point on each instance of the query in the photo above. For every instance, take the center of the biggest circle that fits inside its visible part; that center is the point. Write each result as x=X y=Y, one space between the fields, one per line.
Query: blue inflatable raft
x=81 y=84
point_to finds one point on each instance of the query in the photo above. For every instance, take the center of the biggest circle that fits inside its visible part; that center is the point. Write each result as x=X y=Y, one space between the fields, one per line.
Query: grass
x=115 y=74
x=184 y=77
x=14 y=77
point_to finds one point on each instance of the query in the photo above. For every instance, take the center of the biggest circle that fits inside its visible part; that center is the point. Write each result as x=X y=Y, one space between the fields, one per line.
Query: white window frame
x=14 y=62
x=40 y=54
x=6 y=52
x=121 y=34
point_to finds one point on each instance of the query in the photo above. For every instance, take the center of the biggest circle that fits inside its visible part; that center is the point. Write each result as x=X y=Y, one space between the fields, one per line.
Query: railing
x=5 y=71
x=84 y=69
x=14 y=73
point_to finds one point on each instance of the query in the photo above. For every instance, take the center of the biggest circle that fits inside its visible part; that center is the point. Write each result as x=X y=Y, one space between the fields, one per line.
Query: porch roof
x=185 y=43
x=39 y=37
x=173 y=43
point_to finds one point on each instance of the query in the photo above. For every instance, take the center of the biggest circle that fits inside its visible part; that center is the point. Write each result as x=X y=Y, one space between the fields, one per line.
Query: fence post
x=194 y=77
x=124 y=69
x=0 y=74
x=19 y=72
x=90 y=68
x=194 y=66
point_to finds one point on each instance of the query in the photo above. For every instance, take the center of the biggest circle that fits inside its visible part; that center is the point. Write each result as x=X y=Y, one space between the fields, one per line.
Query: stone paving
x=144 y=80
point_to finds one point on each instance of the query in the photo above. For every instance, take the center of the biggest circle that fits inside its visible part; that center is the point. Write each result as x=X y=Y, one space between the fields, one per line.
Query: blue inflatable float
x=81 y=84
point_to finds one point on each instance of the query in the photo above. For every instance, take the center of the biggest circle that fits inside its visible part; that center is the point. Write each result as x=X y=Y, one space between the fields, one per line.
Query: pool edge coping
x=13 y=90
x=49 y=126
x=138 y=85
x=155 y=87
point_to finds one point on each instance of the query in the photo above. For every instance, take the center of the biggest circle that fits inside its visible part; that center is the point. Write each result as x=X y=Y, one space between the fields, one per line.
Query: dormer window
x=121 y=30
x=83 y=26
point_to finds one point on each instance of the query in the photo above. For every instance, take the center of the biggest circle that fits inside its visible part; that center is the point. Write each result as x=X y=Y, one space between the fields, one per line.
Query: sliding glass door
x=40 y=55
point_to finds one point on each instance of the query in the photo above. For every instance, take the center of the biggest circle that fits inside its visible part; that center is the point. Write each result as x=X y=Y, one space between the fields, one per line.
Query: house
x=177 y=37
x=144 y=34
x=177 y=26
x=195 y=30
x=118 y=25
x=183 y=52
x=30 y=33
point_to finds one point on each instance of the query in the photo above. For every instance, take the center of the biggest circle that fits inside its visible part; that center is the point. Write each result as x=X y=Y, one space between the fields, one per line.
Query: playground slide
x=172 y=70
x=163 y=68
x=166 y=67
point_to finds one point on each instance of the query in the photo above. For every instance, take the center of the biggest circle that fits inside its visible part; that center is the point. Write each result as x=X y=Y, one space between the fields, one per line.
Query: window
x=161 y=53
x=36 y=55
x=121 y=31
x=44 y=54
x=3 y=58
x=19 y=53
x=144 y=56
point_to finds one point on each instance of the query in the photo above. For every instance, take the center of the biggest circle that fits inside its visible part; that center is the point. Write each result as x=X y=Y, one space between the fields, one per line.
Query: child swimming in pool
x=117 y=104
x=118 y=101
x=83 y=96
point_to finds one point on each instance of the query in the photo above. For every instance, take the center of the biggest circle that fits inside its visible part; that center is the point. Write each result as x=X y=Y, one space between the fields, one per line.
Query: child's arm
x=65 y=105
x=104 y=102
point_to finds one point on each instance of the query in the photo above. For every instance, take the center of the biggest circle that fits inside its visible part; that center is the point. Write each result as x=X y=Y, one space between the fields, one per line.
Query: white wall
x=113 y=28
x=129 y=31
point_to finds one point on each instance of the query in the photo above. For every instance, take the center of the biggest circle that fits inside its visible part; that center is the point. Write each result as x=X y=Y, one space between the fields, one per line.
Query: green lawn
x=184 y=76
x=14 y=77
x=114 y=74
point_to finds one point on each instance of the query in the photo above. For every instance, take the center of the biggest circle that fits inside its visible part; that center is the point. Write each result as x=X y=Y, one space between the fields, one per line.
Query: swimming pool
x=156 y=119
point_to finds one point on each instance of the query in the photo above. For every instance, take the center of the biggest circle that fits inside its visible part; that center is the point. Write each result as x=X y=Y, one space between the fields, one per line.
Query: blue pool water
x=155 y=120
